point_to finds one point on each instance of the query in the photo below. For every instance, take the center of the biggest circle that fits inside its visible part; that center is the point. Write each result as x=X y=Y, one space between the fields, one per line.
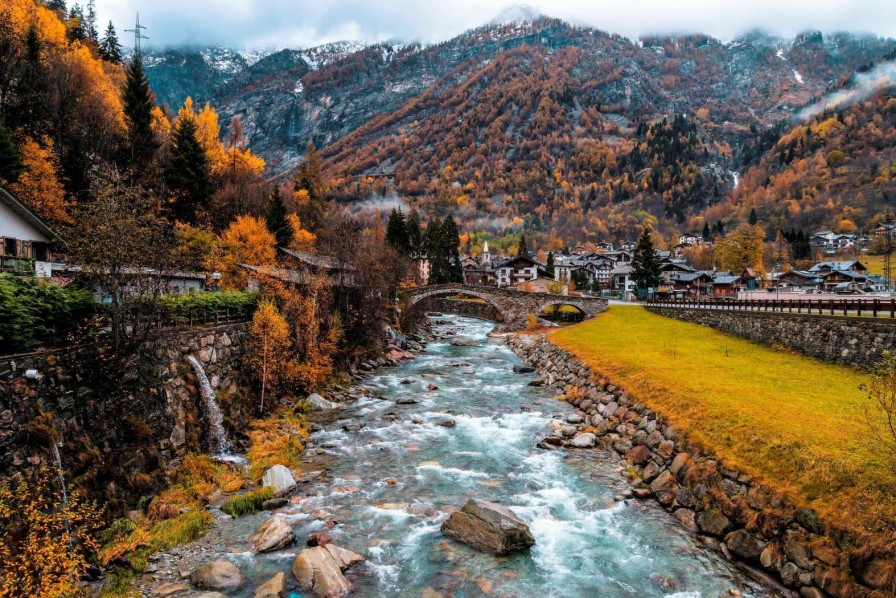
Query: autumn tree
x=110 y=48
x=138 y=107
x=302 y=239
x=121 y=244
x=741 y=248
x=49 y=538
x=646 y=266
x=310 y=189
x=187 y=174
x=268 y=352
x=277 y=219
x=246 y=241
x=39 y=185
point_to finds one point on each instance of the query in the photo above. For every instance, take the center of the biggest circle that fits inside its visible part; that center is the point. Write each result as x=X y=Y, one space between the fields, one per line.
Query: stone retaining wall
x=743 y=518
x=120 y=424
x=851 y=341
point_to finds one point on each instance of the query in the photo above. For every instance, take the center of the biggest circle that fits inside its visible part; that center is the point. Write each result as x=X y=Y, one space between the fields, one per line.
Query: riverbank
x=379 y=476
x=680 y=388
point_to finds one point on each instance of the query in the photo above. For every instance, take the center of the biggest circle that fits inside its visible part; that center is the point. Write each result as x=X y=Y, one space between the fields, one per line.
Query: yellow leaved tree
x=268 y=353
x=39 y=186
x=246 y=241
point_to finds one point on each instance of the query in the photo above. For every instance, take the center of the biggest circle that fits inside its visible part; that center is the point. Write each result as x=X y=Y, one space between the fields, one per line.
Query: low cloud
x=305 y=23
x=863 y=86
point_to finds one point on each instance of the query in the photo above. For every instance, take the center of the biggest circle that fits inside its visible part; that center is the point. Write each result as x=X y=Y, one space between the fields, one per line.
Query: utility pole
x=138 y=35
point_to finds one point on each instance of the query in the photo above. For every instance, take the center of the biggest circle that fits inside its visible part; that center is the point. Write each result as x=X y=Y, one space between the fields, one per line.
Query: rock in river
x=319 y=403
x=319 y=570
x=280 y=479
x=464 y=342
x=217 y=575
x=275 y=587
x=586 y=440
x=273 y=534
x=489 y=526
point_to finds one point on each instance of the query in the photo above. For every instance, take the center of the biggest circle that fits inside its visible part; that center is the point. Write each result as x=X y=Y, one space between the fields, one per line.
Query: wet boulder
x=523 y=369
x=319 y=570
x=217 y=575
x=280 y=479
x=463 y=342
x=586 y=440
x=275 y=587
x=489 y=527
x=273 y=534
x=318 y=403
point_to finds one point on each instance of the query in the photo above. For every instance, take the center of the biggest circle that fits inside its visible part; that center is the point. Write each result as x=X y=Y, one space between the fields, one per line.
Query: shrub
x=531 y=322
x=251 y=501
x=34 y=313
x=47 y=543
x=205 y=304
x=276 y=440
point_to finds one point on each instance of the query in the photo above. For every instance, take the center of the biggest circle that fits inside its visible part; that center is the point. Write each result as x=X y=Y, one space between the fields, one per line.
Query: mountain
x=528 y=121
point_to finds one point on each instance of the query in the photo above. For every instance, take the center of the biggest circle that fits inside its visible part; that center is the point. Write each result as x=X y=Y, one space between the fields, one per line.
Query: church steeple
x=486 y=255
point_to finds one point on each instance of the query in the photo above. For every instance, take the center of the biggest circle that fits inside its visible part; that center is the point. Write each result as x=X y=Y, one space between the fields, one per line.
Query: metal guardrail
x=864 y=307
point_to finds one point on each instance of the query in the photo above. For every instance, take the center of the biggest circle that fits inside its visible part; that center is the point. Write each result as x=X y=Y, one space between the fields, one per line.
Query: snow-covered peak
x=517 y=13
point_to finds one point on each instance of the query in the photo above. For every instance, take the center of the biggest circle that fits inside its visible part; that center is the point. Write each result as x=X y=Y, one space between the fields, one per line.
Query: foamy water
x=587 y=544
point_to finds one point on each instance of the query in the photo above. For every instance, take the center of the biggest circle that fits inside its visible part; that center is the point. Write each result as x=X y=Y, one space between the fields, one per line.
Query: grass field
x=874 y=263
x=793 y=421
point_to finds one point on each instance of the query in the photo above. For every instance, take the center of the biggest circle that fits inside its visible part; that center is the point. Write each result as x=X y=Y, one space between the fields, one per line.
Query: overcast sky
x=305 y=23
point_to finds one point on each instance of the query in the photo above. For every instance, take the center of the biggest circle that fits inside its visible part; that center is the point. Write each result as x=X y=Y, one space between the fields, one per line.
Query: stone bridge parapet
x=514 y=306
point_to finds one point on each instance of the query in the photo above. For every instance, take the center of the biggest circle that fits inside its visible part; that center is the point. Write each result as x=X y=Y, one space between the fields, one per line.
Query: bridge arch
x=514 y=306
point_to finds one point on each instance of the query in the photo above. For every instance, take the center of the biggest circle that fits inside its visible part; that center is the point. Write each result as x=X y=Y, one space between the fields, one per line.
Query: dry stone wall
x=119 y=423
x=745 y=519
x=845 y=340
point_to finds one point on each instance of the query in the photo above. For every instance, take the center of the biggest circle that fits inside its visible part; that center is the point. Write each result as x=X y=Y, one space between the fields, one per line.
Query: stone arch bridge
x=513 y=306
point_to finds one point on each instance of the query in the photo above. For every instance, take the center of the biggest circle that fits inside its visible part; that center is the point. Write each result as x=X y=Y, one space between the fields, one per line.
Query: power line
x=138 y=35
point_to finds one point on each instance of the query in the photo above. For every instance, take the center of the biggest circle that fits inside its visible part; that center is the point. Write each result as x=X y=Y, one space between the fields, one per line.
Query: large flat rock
x=489 y=527
x=319 y=570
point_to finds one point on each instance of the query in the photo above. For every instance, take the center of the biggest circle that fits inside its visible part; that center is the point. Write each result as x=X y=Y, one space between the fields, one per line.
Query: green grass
x=795 y=422
x=243 y=504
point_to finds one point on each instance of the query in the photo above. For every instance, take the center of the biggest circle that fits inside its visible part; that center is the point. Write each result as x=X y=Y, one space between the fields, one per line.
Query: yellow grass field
x=795 y=422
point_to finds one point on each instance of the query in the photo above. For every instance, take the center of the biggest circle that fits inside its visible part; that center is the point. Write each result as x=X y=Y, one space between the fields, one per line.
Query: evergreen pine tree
x=90 y=22
x=138 y=105
x=187 y=174
x=58 y=5
x=752 y=219
x=521 y=249
x=10 y=156
x=415 y=239
x=435 y=251
x=276 y=220
x=77 y=31
x=646 y=266
x=707 y=234
x=310 y=178
x=549 y=265
x=396 y=232
x=110 y=48
x=451 y=240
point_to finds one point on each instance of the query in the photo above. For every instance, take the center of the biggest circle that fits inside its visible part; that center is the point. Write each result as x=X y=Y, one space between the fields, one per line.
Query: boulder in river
x=275 y=587
x=318 y=403
x=463 y=342
x=489 y=526
x=523 y=369
x=586 y=440
x=273 y=534
x=319 y=570
x=280 y=479
x=217 y=575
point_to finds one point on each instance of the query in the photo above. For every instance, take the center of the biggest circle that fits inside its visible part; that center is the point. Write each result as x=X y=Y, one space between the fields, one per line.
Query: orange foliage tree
x=268 y=353
x=48 y=539
x=246 y=241
x=39 y=186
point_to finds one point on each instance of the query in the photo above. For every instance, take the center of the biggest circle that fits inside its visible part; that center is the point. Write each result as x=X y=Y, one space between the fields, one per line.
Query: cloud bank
x=306 y=23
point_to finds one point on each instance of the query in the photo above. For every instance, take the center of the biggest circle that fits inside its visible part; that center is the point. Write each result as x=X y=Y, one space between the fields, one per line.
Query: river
x=587 y=543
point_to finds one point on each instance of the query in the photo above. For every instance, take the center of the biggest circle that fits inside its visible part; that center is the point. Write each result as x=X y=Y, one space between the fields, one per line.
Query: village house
x=830 y=243
x=26 y=241
x=516 y=270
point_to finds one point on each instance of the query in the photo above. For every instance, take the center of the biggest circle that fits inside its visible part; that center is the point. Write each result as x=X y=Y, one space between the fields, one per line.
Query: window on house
x=10 y=248
x=40 y=251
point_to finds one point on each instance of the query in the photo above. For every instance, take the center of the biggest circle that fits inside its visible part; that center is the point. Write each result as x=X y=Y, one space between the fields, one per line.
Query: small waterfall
x=221 y=445
x=61 y=474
